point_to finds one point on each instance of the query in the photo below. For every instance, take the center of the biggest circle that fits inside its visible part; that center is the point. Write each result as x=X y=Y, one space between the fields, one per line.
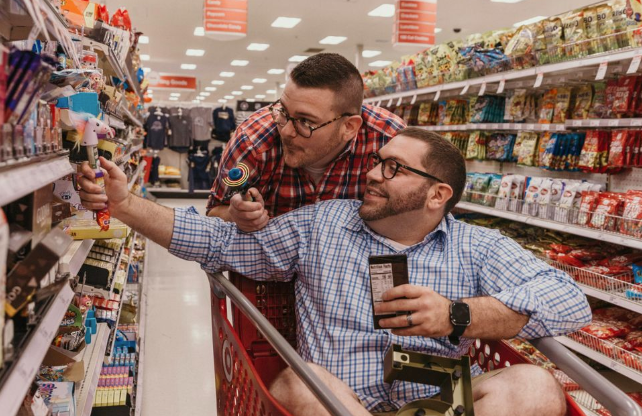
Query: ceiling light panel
x=210 y=88
x=286 y=22
x=239 y=62
x=173 y=98
x=298 y=58
x=143 y=40
x=229 y=97
x=221 y=100
x=257 y=46
x=270 y=92
x=380 y=64
x=332 y=40
x=276 y=71
x=227 y=74
x=385 y=10
x=237 y=93
x=195 y=52
x=506 y=1
x=206 y=94
x=199 y=31
x=438 y=30
x=247 y=87
x=368 y=53
x=218 y=82
x=145 y=58
x=175 y=94
x=259 y=96
x=259 y=80
x=250 y=100
x=188 y=66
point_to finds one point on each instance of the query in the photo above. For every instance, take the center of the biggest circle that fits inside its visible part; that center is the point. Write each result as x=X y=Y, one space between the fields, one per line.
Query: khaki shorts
x=475 y=382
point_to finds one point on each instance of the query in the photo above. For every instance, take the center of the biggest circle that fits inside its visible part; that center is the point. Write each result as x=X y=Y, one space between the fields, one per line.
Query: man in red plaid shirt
x=310 y=145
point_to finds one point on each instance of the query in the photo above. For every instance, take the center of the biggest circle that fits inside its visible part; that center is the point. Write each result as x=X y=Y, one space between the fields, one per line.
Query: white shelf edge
x=139 y=170
x=614 y=299
x=169 y=176
x=497 y=127
x=600 y=358
x=87 y=390
x=76 y=255
x=557 y=226
x=611 y=122
x=18 y=381
x=142 y=301
x=23 y=180
x=511 y=75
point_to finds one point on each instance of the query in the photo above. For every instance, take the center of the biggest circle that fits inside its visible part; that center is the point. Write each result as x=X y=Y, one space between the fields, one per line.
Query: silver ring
x=409 y=319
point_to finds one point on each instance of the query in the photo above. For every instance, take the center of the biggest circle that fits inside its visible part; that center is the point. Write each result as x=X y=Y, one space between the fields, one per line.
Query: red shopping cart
x=244 y=364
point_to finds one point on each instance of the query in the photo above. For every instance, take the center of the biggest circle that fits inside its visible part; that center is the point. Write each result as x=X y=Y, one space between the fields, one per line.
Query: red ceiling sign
x=171 y=82
x=415 y=22
x=225 y=19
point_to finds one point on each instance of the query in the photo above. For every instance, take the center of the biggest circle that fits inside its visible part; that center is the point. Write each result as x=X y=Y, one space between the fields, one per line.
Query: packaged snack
x=624 y=94
x=616 y=151
x=574 y=34
x=475 y=144
x=517 y=192
x=599 y=108
x=520 y=47
x=606 y=29
x=604 y=330
x=583 y=101
x=590 y=25
x=532 y=195
x=587 y=206
x=562 y=103
x=637 y=273
x=481 y=182
x=468 y=187
x=632 y=214
x=553 y=33
x=547 y=106
x=528 y=149
x=619 y=19
x=505 y=187
x=493 y=189
x=424 y=114
x=516 y=105
x=590 y=157
x=517 y=146
x=565 y=381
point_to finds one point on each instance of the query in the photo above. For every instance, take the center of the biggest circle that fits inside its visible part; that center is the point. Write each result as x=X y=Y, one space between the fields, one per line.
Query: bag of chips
x=583 y=101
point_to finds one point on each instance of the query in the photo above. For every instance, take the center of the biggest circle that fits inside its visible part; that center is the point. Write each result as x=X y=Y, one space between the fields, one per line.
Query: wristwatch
x=460 y=318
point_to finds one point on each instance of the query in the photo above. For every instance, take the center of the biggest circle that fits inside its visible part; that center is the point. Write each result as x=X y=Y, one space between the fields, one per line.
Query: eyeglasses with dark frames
x=302 y=126
x=390 y=167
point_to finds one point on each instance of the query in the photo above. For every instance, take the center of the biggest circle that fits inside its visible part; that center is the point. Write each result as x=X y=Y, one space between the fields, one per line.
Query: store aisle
x=179 y=368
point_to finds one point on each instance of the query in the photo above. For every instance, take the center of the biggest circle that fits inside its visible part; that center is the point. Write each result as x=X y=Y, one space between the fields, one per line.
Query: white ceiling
x=170 y=25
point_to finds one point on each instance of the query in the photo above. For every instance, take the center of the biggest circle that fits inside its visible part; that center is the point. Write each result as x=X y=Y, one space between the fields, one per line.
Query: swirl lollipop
x=236 y=180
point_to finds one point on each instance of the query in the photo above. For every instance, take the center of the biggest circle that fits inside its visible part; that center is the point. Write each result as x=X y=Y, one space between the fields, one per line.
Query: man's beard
x=412 y=200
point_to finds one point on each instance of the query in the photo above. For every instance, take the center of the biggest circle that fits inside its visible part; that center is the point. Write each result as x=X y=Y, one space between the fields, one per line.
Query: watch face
x=460 y=314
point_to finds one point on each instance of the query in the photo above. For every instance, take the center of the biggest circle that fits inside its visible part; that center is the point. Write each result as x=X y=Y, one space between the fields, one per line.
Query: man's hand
x=430 y=311
x=116 y=191
x=248 y=215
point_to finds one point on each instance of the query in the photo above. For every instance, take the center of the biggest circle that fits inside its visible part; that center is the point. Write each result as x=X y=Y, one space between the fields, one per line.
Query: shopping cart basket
x=241 y=390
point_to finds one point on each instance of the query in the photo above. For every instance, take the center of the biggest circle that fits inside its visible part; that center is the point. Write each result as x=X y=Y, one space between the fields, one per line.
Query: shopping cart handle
x=220 y=283
x=614 y=399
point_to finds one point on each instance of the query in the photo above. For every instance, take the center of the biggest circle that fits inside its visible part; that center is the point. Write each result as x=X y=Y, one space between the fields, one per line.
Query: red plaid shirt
x=257 y=144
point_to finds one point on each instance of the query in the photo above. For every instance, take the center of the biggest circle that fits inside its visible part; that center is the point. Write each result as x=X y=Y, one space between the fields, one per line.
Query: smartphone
x=386 y=272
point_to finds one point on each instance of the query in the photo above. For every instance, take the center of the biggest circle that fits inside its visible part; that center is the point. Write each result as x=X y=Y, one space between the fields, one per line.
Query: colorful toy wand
x=236 y=181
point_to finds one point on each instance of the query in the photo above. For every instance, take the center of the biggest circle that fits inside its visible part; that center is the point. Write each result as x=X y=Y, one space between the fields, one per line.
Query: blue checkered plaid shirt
x=327 y=246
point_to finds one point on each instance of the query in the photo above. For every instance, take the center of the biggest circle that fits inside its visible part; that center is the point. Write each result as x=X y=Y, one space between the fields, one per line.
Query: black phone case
x=399 y=266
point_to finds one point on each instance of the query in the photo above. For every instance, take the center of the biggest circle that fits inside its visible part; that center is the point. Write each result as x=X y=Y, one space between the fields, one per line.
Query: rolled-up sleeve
x=269 y=254
x=529 y=286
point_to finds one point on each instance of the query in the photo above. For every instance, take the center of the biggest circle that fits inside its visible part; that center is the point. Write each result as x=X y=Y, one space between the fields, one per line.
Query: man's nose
x=288 y=130
x=375 y=174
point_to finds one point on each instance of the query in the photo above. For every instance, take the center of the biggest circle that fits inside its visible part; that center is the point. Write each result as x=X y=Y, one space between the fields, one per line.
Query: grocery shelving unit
x=142 y=316
x=93 y=361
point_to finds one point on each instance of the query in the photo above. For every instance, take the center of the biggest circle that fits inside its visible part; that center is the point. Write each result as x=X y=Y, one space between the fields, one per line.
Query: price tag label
x=482 y=90
x=614 y=123
x=465 y=89
x=494 y=126
x=389 y=103
x=594 y=123
x=414 y=99
x=502 y=85
x=545 y=127
x=530 y=127
x=378 y=103
x=601 y=71
x=399 y=101
x=635 y=63
x=577 y=123
x=636 y=122
x=538 y=80
x=560 y=127
x=437 y=95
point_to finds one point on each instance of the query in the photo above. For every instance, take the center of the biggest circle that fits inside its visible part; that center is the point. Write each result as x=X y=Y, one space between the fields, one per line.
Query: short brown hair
x=334 y=72
x=442 y=160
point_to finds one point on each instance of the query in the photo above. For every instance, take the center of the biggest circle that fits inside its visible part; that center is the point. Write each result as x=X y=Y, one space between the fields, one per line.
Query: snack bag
x=616 y=151
x=606 y=29
x=532 y=195
x=587 y=207
x=481 y=183
x=553 y=33
x=547 y=106
x=583 y=101
x=607 y=207
x=493 y=190
x=468 y=187
x=517 y=192
x=528 y=149
x=574 y=34
x=598 y=107
x=562 y=103
x=590 y=25
x=504 y=192
x=632 y=215
x=624 y=95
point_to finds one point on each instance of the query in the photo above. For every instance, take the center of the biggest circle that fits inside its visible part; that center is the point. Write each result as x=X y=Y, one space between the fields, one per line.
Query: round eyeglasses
x=302 y=126
x=390 y=167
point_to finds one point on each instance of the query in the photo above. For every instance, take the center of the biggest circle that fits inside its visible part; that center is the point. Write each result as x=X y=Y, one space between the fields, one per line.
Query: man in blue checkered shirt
x=413 y=183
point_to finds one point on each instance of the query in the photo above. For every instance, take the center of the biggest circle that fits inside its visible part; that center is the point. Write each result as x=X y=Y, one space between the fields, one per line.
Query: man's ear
x=438 y=196
x=352 y=126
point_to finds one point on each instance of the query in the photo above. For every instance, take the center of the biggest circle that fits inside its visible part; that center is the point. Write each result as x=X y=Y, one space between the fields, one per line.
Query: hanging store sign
x=415 y=22
x=171 y=82
x=225 y=19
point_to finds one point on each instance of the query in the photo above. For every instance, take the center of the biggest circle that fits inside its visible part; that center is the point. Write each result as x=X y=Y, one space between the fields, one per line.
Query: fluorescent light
x=380 y=64
x=175 y=94
x=276 y=71
x=143 y=40
x=195 y=52
x=257 y=46
x=259 y=80
x=237 y=93
x=298 y=58
x=173 y=98
x=220 y=100
x=270 y=92
x=259 y=96
x=286 y=22
x=229 y=97
x=210 y=88
x=506 y=1
x=247 y=87
x=239 y=62
x=145 y=58
x=206 y=94
x=196 y=101
x=199 y=31
x=529 y=21
x=250 y=100
x=438 y=29
x=150 y=91
x=217 y=82
x=385 y=10
x=227 y=74
x=150 y=95
x=146 y=70
x=370 y=53
x=188 y=66
x=332 y=40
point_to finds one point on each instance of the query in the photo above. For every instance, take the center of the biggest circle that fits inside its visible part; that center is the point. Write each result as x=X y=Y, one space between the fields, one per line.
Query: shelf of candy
x=558 y=43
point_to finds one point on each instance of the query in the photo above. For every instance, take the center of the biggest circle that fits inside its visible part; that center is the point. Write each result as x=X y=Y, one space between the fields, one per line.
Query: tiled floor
x=179 y=368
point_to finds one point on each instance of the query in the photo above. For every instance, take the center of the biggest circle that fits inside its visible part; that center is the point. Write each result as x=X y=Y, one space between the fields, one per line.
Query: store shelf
x=76 y=255
x=93 y=360
x=592 y=61
x=23 y=371
x=139 y=170
x=613 y=298
x=601 y=358
x=605 y=236
x=131 y=118
x=169 y=176
x=114 y=121
x=23 y=180
x=497 y=126
x=108 y=53
x=612 y=122
x=142 y=318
